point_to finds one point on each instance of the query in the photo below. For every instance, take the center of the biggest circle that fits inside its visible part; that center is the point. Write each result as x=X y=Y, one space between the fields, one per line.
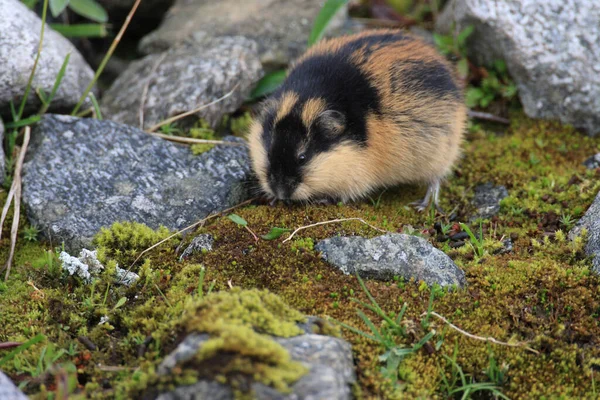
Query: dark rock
x=8 y=390
x=82 y=174
x=200 y=244
x=331 y=370
x=487 y=200
x=591 y=222
x=184 y=78
x=280 y=27
x=456 y=245
x=550 y=48
x=386 y=256
x=593 y=162
x=442 y=238
x=19 y=40
x=459 y=236
x=508 y=247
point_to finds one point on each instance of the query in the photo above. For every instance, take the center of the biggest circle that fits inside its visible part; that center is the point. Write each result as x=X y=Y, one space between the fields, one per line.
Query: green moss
x=123 y=241
x=263 y=311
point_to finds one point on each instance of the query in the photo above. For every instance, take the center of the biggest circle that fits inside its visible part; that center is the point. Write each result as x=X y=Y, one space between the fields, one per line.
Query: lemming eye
x=302 y=157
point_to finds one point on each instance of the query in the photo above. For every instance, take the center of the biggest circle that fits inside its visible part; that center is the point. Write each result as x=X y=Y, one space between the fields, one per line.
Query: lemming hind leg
x=433 y=193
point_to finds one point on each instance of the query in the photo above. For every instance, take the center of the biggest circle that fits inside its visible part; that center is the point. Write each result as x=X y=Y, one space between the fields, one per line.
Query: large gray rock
x=2 y=158
x=551 y=48
x=591 y=222
x=386 y=256
x=8 y=390
x=280 y=27
x=329 y=360
x=19 y=40
x=195 y=73
x=487 y=200
x=82 y=174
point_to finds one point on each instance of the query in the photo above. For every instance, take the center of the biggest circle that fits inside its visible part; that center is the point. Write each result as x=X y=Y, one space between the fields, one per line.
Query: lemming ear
x=332 y=122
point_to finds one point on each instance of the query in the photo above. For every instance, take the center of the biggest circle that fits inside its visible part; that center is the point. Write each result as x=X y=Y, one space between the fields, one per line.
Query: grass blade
x=268 y=84
x=58 y=6
x=57 y=82
x=89 y=9
x=96 y=106
x=81 y=30
x=330 y=8
x=22 y=348
x=35 y=63
x=107 y=56
x=24 y=122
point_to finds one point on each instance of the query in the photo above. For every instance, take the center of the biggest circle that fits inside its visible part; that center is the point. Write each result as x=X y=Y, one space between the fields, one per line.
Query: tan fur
x=311 y=110
x=397 y=150
x=258 y=155
x=288 y=101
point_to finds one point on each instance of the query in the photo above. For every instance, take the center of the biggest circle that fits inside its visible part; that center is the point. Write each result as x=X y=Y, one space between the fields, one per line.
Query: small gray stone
x=200 y=243
x=487 y=200
x=185 y=78
x=593 y=162
x=331 y=370
x=83 y=174
x=591 y=222
x=280 y=27
x=550 y=48
x=2 y=158
x=8 y=390
x=19 y=40
x=386 y=256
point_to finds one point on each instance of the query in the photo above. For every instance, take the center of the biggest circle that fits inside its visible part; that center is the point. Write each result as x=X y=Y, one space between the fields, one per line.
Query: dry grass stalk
x=333 y=221
x=16 y=200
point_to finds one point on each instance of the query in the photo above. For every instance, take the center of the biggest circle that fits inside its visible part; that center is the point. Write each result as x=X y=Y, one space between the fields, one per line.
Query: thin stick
x=181 y=139
x=488 y=117
x=109 y=54
x=194 y=111
x=252 y=233
x=190 y=227
x=17 y=201
x=9 y=345
x=484 y=339
x=147 y=87
x=333 y=221
x=11 y=194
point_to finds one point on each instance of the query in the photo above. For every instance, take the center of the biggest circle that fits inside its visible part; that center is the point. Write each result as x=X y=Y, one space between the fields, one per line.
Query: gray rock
x=2 y=157
x=487 y=200
x=82 y=174
x=8 y=390
x=200 y=243
x=331 y=370
x=550 y=48
x=591 y=222
x=593 y=162
x=184 y=78
x=386 y=256
x=19 y=39
x=280 y=27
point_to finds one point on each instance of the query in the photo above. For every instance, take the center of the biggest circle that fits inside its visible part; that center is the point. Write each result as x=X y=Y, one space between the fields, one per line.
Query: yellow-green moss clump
x=124 y=241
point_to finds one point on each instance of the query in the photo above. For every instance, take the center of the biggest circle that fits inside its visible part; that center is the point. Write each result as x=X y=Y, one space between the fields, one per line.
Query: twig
x=17 y=202
x=181 y=139
x=194 y=111
x=252 y=233
x=333 y=221
x=482 y=338
x=109 y=54
x=488 y=117
x=147 y=87
x=9 y=345
x=189 y=227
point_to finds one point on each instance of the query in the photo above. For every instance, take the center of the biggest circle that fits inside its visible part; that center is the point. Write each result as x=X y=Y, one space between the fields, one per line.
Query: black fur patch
x=428 y=77
x=372 y=43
